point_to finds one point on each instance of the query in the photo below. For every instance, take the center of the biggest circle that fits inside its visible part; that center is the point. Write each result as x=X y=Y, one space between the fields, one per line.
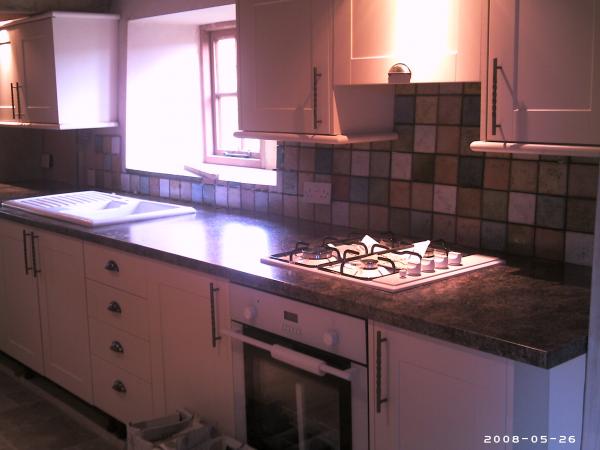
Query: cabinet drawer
x=120 y=349
x=119 y=309
x=134 y=404
x=115 y=268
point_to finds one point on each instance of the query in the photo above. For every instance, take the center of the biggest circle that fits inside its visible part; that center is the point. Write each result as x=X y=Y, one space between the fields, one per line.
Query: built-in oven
x=300 y=374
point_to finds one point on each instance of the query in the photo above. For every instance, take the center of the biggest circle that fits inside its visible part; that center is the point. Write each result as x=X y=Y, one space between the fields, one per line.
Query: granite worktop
x=529 y=311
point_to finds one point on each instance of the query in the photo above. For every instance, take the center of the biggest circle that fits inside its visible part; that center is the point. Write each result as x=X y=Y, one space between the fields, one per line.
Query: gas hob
x=386 y=264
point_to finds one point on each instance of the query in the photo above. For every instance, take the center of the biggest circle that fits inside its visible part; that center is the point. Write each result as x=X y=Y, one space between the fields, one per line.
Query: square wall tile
x=472 y=88
x=422 y=196
x=248 y=199
x=306 y=161
x=234 y=197
x=448 y=139
x=549 y=244
x=550 y=212
x=470 y=172
x=581 y=215
x=471 y=110
x=423 y=167
x=425 y=136
x=497 y=174
x=400 y=221
x=469 y=202
x=340 y=213
x=145 y=185
x=468 y=232
x=359 y=189
x=520 y=239
x=400 y=194
x=583 y=180
x=290 y=206
x=342 y=162
x=378 y=218
x=125 y=185
x=421 y=224
x=468 y=135
x=359 y=216
x=579 y=248
x=406 y=138
x=302 y=178
x=552 y=178
x=451 y=88
x=290 y=157
x=156 y=187
x=323 y=160
x=404 y=109
x=405 y=89
x=221 y=196
x=306 y=211
x=174 y=189
x=323 y=213
x=290 y=182
x=164 y=187
x=401 y=166
x=449 y=109
x=444 y=199
x=521 y=208
x=493 y=235
x=208 y=194
x=446 y=169
x=196 y=192
x=275 y=203
x=428 y=88
x=360 y=163
x=426 y=109
x=444 y=227
x=134 y=184
x=186 y=191
x=379 y=190
x=380 y=164
x=340 y=188
x=494 y=205
x=523 y=176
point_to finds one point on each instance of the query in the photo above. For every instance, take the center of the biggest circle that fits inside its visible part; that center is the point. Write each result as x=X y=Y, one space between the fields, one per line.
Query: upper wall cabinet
x=59 y=71
x=439 y=40
x=543 y=77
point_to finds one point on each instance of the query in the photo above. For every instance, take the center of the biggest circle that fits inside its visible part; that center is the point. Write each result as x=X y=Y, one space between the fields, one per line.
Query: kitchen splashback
x=427 y=183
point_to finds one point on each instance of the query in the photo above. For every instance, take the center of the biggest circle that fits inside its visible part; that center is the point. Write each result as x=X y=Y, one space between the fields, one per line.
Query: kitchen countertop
x=529 y=311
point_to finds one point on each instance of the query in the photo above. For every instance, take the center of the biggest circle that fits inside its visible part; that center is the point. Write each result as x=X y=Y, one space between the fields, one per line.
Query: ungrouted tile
x=342 y=160
x=552 y=178
x=378 y=218
x=290 y=206
x=234 y=197
x=421 y=224
x=444 y=199
x=163 y=186
x=444 y=227
x=422 y=196
x=248 y=199
x=406 y=138
x=340 y=213
x=493 y=235
x=186 y=190
x=400 y=221
x=196 y=192
x=306 y=161
x=323 y=160
x=523 y=176
x=400 y=194
x=468 y=135
x=449 y=109
x=379 y=190
x=359 y=189
x=469 y=202
x=340 y=188
x=425 y=138
x=581 y=215
x=359 y=216
x=583 y=180
x=401 y=166
x=428 y=88
x=550 y=212
x=520 y=239
x=275 y=203
x=497 y=174
x=125 y=182
x=404 y=109
x=423 y=167
x=448 y=139
x=470 y=172
x=451 y=88
x=221 y=195
x=426 y=109
x=174 y=189
x=446 y=169
x=261 y=201
x=494 y=205
x=306 y=211
x=468 y=232
x=549 y=244
x=579 y=248
x=290 y=157
x=360 y=163
x=471 y=110
x=380 y=164
x=472 y=88
x=323 y=213
x=521 y=208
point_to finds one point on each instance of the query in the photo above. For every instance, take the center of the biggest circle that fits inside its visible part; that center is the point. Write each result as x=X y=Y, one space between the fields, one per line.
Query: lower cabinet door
x=434 y=395
x=196 y=369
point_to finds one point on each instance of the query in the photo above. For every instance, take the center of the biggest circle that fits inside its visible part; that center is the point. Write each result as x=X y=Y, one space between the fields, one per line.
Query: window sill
x=248 y=175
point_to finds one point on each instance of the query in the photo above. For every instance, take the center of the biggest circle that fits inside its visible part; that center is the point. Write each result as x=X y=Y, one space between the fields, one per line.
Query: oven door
x=284 y=401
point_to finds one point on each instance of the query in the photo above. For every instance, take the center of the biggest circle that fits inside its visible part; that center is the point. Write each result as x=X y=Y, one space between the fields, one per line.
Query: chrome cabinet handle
x=378 y=399
x=33 y=238
x=119 y=386
x=495 y=69
x=213 y=318
x=27 y=266
x=316 y=76
x=12 y=100
x=114 y=307
x=117 y=347
x=112 y=266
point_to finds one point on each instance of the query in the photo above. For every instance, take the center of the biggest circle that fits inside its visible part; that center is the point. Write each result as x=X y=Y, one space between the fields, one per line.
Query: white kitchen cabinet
x=65 y=65
x=434 y=394
x=44 y=323
x=543 y=75
x=8 y=78
x=286 y=78
x=189 y=309
x=439 y=40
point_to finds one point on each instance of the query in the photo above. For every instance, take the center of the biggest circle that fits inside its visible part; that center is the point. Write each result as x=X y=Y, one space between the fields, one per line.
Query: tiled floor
x=30 y=422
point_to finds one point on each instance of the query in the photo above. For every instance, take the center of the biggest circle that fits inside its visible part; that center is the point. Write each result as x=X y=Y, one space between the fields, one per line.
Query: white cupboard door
x=63 y=308
x=197 y=375
x=284 y=55
x=438 y=396
x=8 y=77
x=37 y=76
x=547 y=54
x=21 y=336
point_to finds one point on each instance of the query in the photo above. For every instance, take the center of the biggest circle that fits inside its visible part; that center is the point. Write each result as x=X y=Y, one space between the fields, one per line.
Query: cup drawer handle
x=119 y=386
x=112 y=266
x=117 y=347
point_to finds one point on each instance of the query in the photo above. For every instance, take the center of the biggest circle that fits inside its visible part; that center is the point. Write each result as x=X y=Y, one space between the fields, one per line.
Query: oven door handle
x=292 y=357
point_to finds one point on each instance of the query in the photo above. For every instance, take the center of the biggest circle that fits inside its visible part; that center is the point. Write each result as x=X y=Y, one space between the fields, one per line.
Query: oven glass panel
x=288 y=408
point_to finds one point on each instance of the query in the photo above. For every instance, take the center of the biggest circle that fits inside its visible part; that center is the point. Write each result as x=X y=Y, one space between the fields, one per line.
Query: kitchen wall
x=426 y=184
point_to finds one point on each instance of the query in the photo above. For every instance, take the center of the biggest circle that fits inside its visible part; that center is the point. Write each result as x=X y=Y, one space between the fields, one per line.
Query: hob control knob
x=250 y=313
x=330 y=338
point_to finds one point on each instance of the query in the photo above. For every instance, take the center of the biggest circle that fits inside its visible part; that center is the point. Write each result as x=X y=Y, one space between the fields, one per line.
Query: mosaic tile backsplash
x=425 y=184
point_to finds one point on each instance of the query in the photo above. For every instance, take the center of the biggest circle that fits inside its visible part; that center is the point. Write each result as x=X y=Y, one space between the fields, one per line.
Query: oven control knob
x=330 y=338
x=250 y=313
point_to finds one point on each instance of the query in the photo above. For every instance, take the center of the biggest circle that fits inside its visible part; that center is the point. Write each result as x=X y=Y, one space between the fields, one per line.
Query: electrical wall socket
x=316 y=192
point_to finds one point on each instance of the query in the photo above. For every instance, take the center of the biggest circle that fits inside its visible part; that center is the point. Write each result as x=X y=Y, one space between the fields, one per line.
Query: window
x=182 y=99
